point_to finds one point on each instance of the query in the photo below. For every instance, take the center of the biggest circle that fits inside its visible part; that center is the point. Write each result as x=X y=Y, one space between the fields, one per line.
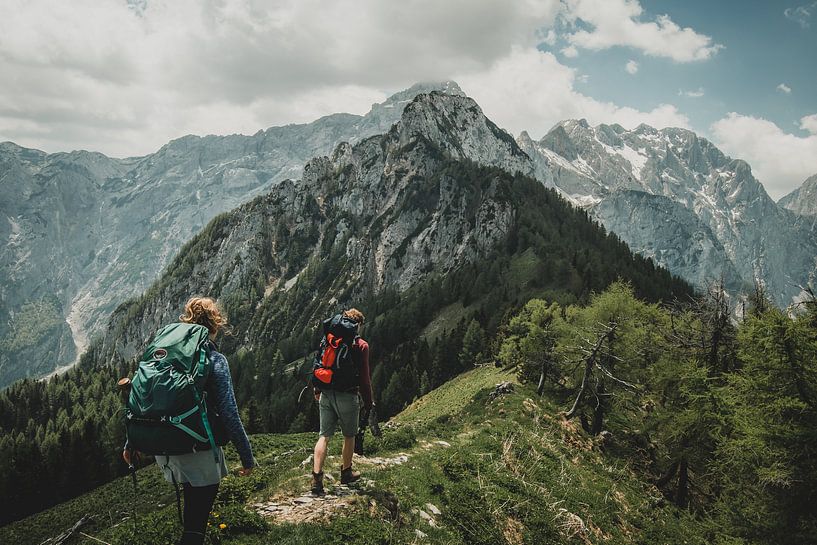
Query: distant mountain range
x=86 y=232
x=673 y=196
x=803 y=200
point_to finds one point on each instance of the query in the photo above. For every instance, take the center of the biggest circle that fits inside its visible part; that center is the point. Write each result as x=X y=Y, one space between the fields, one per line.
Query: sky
x=124 y=77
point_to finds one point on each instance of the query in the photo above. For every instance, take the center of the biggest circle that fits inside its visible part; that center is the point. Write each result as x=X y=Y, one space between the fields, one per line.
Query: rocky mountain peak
x=673 y=195
x=525 y=138
x=101 y=229
x=558 y=140
x=803 y=200
x=407 y=95
x=457 y=125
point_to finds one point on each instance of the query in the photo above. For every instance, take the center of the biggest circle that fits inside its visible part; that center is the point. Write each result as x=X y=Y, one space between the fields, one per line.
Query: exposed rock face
x=85 y=232
x=676 y=198
x=668 y=233
x=803 y=200
x=385 y=212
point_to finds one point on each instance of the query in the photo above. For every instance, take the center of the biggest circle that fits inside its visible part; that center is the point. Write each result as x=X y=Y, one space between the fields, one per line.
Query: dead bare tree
x=66 y=535
x=589 y=364
x=709 y=336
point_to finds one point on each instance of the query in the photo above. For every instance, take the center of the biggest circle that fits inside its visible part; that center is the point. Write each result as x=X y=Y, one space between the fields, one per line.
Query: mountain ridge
x=803 y=200
x=435 y=247
x=750 y=238
x=86 y=231
x=155 y=203
x=381 y=206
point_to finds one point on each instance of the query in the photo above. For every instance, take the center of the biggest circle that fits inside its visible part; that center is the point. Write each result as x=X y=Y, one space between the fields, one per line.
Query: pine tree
x=768 y=462
x=473 y=345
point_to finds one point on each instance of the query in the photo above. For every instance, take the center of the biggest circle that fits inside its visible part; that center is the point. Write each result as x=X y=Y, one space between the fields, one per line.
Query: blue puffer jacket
x=220 y=387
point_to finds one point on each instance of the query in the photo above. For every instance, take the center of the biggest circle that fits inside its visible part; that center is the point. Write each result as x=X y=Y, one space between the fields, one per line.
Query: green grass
x=452 y=397
x=513 y=472
x=446 y=320
x=522 y=269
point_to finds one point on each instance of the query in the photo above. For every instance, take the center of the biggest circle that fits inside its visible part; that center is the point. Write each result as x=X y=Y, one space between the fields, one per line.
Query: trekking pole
x=124 y=387
x=301 y=395
x=361 y=430
x=132 y=471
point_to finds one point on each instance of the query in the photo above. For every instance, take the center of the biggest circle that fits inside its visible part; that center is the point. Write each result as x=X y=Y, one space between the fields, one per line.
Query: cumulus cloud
x=779 y=160
x=801 y=14
x=809 y=123
x=570 y=52
x=550 y=38
x=602 y=24
x=783 y=88
x=543 y=94
x=126 y=77
x=631 y=67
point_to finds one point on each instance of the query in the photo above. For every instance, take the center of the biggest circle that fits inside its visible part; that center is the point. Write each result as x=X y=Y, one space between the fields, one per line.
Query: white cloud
x=801 y=14
x=809 y=123
x=783 y=88
x=570 y=52
x=631 y=67
x=697 y=93
x=550 y=38
x=781 y=161
x=618 y=23
x=542 y=91
x=97 y=74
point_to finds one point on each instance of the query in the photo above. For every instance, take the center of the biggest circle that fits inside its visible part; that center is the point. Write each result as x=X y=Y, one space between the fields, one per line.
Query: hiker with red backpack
x=181 y=408
x=340 y=377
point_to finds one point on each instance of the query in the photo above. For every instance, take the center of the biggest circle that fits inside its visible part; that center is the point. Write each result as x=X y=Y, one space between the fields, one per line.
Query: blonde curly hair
x=355 y=315
x=205 y=311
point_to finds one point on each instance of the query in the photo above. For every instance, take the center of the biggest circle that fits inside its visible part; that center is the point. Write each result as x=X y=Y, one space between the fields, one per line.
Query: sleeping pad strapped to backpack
x=337 y=365
x=167 y=410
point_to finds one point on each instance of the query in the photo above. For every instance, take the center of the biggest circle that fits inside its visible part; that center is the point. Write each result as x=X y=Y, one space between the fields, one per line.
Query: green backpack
x=167 y=409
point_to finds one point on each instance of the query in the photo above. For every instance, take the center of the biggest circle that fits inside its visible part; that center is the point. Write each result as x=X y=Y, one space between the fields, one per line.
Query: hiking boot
x=348 y=476
x=317 y=483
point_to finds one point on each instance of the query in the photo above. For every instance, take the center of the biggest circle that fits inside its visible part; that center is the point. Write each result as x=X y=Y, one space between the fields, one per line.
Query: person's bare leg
x=348 y=451
x=320 y=453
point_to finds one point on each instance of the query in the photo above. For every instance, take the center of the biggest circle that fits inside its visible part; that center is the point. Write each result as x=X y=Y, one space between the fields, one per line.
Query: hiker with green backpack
x=340 y=376
x=181 y=409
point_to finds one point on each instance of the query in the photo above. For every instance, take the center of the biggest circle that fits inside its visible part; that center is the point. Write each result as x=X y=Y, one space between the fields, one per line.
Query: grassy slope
x=514 y=472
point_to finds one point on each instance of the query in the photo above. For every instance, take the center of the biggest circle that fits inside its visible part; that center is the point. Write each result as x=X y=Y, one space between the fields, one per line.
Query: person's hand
x=132 y=457
x=244 y=471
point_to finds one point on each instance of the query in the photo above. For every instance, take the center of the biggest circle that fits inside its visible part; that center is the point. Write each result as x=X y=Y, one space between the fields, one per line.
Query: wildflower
x=222 y=526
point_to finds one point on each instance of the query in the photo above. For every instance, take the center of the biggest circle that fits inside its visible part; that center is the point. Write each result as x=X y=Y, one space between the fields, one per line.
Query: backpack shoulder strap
x=202 y=368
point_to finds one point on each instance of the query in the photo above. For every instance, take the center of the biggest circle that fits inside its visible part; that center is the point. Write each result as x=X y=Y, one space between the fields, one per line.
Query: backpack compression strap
x=202 y=409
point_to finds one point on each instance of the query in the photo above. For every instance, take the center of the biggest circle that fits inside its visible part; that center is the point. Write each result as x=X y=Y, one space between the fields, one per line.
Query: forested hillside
x=617 y=421
x=436 y=249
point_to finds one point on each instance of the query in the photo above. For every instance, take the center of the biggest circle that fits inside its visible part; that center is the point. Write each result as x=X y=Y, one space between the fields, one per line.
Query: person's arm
x=228 y=409
x=365 y=383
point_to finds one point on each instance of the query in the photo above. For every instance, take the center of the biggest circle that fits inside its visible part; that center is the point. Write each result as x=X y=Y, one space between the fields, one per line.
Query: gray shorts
x=343 y=407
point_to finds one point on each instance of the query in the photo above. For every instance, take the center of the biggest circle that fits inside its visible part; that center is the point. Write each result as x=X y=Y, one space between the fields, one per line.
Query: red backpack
x=337 y=361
